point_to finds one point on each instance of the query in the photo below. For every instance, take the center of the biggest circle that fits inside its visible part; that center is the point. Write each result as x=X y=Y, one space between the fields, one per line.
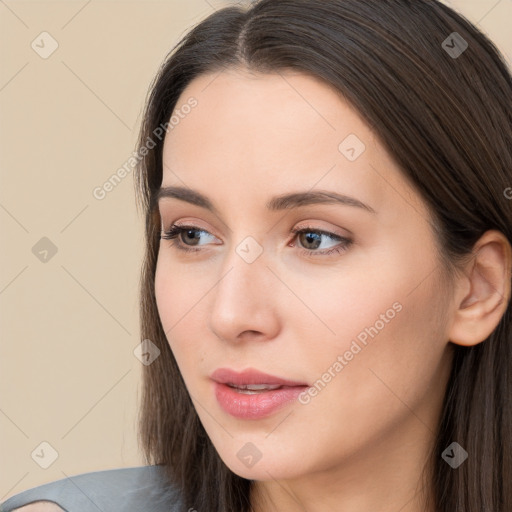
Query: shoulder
x=114 y=490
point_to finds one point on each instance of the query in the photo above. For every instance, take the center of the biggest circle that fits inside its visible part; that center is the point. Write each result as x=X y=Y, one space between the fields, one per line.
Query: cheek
x=175 y=292
x=170 y=301
x=382 y=317
x=377 y=292
x=164 y=293
x=180 y=307
x=375 y=385
x=391 y=340
x=353 y=304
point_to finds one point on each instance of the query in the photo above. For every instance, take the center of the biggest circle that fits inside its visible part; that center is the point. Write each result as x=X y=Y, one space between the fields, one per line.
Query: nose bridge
x=242 y=299
x=245 y=274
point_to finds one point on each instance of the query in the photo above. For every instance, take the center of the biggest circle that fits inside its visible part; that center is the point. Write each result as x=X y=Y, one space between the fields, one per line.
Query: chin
x=270 y=467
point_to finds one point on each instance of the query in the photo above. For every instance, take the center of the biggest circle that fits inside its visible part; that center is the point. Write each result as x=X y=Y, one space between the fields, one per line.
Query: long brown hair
x=446 y=119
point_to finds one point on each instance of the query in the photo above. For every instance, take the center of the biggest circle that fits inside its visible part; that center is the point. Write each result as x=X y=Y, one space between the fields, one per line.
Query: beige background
x=69 y=326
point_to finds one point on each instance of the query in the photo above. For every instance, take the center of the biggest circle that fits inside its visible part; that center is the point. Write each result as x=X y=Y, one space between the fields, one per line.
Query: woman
x=327 y=189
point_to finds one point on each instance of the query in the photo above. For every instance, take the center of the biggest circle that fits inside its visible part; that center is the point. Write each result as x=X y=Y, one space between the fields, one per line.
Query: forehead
x=252 y=132
x=263 y=111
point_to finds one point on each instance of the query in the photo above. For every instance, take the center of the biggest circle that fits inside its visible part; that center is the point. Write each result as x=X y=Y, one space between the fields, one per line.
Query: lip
x=257 y=405
x=250 y=376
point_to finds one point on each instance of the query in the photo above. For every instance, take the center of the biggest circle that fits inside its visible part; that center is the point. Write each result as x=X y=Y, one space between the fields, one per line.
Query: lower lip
x=254 y=406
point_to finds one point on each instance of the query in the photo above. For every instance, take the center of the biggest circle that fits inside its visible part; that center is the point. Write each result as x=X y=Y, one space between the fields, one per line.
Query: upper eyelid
x=316 y=230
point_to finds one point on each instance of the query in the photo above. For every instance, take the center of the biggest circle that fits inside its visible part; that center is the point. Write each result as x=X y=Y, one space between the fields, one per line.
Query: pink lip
x=253 y=406
x=250 y=376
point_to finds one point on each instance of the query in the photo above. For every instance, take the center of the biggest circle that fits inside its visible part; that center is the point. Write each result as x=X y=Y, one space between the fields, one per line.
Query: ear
x=484 y=290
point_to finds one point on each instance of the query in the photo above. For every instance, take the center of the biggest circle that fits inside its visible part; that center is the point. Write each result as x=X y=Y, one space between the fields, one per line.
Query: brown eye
x=182 y=235
x=311 y=239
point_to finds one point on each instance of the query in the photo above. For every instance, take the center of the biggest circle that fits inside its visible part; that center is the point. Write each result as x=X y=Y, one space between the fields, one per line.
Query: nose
x=244 y=301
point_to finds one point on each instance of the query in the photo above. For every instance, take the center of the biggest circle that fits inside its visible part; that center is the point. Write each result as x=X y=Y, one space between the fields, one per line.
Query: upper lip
x=250 y=376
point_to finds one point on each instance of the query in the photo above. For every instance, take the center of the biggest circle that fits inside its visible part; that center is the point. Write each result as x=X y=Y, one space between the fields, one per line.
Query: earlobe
x=485 y=289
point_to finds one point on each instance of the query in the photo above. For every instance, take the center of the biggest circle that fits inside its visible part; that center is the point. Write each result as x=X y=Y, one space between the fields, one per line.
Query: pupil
x=312 y=237
x=188 y=231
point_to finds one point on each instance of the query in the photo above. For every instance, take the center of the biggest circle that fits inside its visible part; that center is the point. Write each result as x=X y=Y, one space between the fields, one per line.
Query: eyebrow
x=277 y=203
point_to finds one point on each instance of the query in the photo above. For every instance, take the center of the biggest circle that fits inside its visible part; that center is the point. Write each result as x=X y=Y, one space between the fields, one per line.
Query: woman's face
x=363 y=328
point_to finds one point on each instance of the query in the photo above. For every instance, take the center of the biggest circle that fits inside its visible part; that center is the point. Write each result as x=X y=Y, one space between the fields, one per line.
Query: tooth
x=256 y=387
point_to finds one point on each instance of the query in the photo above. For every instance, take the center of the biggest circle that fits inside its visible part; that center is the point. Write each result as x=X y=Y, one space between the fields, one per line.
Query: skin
x=362 y=442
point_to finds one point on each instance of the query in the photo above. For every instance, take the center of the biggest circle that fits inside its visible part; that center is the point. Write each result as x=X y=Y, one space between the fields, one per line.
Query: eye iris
x=195 y=234
x=311 y=238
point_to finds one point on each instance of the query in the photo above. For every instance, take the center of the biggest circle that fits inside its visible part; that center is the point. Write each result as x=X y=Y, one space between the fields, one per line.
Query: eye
x=314 y=238
x=176 y=231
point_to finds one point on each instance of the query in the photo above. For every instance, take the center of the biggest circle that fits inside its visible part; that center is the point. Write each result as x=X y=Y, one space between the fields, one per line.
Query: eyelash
x=175 y=230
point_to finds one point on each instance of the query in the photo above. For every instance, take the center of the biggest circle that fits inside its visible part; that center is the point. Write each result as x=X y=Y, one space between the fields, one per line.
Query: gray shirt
x=134 y=489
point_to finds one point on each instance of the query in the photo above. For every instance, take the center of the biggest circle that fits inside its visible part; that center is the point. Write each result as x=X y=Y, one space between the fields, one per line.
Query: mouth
x=252 y=394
